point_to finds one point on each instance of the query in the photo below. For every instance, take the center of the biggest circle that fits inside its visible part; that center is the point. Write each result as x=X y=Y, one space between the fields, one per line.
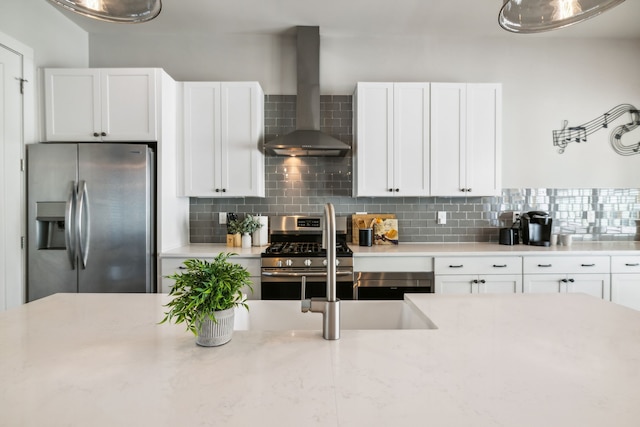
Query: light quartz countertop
x=495 y=360
x=430 y=249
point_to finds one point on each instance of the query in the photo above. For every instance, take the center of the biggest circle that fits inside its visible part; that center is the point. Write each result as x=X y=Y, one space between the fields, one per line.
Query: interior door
x=115 y=216
x=11 y=147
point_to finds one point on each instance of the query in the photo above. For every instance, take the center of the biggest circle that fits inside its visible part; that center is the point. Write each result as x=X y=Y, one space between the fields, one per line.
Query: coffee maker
x=536 y=228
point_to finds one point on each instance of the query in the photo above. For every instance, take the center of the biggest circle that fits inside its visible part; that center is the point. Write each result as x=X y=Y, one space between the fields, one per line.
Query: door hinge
x=21 y=242
x=21 y=165
x=22 y=82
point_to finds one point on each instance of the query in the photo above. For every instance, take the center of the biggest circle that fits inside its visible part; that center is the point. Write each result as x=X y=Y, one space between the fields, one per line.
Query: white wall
x=546 y=81
x=55 y=40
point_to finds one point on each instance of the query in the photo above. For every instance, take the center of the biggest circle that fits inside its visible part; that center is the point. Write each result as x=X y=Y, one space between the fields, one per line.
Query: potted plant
x=205 y=297
x=248 y=225
x=233 y=233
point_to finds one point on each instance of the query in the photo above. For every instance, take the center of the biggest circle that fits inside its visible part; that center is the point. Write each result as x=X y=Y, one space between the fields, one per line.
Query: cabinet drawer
x=625 y=264
x=568 y=264
x=478 y=265
x=172 y=265
x=395 y=263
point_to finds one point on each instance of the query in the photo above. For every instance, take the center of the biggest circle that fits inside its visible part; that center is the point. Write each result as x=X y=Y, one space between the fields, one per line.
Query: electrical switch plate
x=591 y=216
x=442 y=217
x=222 y=218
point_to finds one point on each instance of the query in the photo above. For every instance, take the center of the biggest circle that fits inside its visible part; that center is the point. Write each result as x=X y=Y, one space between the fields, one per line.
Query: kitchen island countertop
x=429 y=249
x=504 y=360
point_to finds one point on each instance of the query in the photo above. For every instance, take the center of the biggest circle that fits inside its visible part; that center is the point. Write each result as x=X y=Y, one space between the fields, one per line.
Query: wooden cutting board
x=359 y=221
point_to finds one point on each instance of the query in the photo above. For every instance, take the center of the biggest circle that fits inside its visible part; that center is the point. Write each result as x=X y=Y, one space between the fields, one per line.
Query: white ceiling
x=359 y=18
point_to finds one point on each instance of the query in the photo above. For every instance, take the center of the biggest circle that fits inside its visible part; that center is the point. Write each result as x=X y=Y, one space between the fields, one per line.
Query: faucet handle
x=306 y=303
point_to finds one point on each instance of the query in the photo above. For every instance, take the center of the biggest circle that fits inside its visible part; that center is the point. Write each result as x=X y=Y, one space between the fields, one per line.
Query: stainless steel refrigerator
x=90 y=218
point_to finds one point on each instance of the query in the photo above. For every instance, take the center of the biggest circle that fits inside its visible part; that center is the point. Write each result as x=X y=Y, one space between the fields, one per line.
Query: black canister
x=365 y=236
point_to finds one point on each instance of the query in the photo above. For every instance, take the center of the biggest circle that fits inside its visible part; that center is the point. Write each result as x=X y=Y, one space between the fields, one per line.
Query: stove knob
x=307 y=262
x=279 y=263
x=288 y=263
x=337 y=262
x=324 y=262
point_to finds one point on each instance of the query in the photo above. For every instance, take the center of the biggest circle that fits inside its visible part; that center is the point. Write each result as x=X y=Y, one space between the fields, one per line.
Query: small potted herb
x=248 y=225
x=205 y=297
x=233 y=233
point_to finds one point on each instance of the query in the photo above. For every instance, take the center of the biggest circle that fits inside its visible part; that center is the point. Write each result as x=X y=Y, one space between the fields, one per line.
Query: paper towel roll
x=261 y=235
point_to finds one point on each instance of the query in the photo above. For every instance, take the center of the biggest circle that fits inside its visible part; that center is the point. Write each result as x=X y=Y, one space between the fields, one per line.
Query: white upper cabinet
x=223 y=135
x=466 y=139
x=391 y=139
x=108 y=104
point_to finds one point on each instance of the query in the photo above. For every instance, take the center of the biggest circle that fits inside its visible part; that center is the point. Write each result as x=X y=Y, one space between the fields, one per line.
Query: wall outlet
x=442 y=217
x=222 y=218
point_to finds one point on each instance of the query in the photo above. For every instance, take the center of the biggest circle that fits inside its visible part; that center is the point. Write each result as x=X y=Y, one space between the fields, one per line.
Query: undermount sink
x=286 y=315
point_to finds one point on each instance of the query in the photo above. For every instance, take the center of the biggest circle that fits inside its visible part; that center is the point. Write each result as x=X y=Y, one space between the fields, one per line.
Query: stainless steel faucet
x=329 y=306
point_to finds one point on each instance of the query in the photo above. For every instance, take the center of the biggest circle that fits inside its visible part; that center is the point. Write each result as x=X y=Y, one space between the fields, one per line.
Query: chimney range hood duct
x=307 y=140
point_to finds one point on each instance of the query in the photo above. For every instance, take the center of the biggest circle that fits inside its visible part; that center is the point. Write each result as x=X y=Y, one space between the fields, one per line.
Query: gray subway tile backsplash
x=304 y=185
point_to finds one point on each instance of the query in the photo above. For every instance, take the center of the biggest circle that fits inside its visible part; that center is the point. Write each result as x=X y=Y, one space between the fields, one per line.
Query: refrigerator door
x=51 y=188
x=115 y=218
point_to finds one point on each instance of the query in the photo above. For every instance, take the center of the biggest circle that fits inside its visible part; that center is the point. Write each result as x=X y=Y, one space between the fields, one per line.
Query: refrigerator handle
x=69 y=228
x=82 y=212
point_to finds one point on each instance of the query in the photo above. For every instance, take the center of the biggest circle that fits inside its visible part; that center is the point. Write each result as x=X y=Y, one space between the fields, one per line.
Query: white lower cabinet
x=169 y=266
x=473 y=275
x=625 y=281
x=556 y=274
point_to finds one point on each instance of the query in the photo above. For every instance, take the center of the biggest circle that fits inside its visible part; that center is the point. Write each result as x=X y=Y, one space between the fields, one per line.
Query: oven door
x=279 y=284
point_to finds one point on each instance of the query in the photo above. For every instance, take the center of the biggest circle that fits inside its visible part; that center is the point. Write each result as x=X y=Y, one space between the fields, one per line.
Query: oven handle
x=308 y=274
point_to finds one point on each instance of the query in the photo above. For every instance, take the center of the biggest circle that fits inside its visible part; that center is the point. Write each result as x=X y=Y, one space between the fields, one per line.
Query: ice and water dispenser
x=50 y=225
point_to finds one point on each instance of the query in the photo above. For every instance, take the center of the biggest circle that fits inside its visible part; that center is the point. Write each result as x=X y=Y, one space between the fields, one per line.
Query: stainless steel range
x=296 y=258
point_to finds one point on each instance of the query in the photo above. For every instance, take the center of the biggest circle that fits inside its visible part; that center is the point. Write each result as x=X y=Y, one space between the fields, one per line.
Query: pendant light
x=534 y=16
x=122 y=11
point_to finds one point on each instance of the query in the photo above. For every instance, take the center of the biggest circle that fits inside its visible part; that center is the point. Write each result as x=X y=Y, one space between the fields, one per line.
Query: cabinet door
x=242 y=161
x=597 y=285
x=500 y=284
x=72 y=104
x=456 y=284
x=448 y=117
x=625 y=290
x=411 y=139
x=484 y=112
x=373 y=136
x=542 y=283
x=202 y=139
x=128 y=104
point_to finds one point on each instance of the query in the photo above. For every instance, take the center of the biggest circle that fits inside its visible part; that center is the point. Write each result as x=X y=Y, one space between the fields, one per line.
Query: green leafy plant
x=204 y=288
x=249 y=224
x=234 y=226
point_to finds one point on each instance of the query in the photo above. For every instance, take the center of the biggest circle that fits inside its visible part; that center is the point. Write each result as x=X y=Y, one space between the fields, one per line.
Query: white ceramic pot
x=246 y=240
x=212 y=333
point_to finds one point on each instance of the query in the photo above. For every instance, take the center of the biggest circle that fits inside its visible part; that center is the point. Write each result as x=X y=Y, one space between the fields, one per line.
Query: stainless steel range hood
x=307 y=140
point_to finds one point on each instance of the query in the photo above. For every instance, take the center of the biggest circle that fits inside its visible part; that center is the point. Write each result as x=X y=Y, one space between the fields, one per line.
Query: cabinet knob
x=571 y=280
x=390 y=190
x=468 y=190
x=96 y=134
x=483 y=281
x=397 y=189
x=103 y=134
x=224 y=190
x=217 y=190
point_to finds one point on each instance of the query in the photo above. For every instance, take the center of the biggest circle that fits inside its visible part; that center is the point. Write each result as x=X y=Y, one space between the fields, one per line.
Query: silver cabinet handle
x=499 y=265
x=587 y=265
x=456 y=266
x=632 y=264
x=544 y=265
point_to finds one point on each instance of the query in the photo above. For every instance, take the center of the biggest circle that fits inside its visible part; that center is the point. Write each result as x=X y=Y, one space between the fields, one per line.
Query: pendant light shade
x=123 y=11
x=534 y=16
